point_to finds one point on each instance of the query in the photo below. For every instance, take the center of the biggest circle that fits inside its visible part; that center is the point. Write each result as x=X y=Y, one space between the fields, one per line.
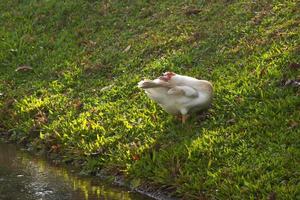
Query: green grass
x=248 y=147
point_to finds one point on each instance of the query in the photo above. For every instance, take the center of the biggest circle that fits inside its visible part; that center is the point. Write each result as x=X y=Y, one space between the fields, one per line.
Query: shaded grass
x=248 y=147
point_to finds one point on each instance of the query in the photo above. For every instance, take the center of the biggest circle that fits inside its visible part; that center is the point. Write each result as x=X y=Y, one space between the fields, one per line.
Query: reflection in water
x=27 y=177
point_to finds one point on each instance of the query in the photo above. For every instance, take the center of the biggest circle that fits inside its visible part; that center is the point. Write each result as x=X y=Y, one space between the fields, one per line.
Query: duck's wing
x=203 y=86
x=145 y=84
x=183 y=91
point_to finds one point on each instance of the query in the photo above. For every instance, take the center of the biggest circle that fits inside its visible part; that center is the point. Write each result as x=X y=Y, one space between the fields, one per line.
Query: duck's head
x=167 y=76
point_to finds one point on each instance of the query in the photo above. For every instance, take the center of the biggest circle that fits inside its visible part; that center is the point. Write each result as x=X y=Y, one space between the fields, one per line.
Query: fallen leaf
x=23 y=68
x=239 y=99
x=55 y=148
x=135 y=157
x=97 y=152
x=92 y=43
x=272 y=196
x=263 y=72
x=78 y=104
x=192 y=11
x=293 y=124
x=195 y=37
x=41 y=118
x=133 y=145
x=106 y=88
x=231 y=121
x=127 y=48
x=294 y=66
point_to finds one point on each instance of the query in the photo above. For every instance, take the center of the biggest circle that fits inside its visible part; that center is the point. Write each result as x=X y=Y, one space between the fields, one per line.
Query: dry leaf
x=239 y=99
x=78 y=104
x=294 y=66
x=136 y=157
x=192 y=11
x=263 y=72
x=293 y=124
x=106 y=88
x=55 y=148
x=133 y=145
x=92 y=43
x=231 y=121
x=41 y=118
x=127 y=48
x=272 y=196
x=23 y=68
x=195 y=37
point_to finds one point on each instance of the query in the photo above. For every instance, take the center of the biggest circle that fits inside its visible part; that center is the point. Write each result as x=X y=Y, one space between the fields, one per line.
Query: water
x=27 y=177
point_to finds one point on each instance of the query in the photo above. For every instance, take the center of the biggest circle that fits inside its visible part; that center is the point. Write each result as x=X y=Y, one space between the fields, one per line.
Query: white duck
x=178 y=94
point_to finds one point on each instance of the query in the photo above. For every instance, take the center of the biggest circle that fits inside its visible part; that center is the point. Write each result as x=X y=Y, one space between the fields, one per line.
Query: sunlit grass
x=81 y=101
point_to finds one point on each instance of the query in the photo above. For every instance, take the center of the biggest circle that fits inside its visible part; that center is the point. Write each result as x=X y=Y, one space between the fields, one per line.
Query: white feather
x=181 y=94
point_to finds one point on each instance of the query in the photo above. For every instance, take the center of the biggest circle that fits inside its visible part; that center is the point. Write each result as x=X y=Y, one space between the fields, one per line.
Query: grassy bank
x=81 y=102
